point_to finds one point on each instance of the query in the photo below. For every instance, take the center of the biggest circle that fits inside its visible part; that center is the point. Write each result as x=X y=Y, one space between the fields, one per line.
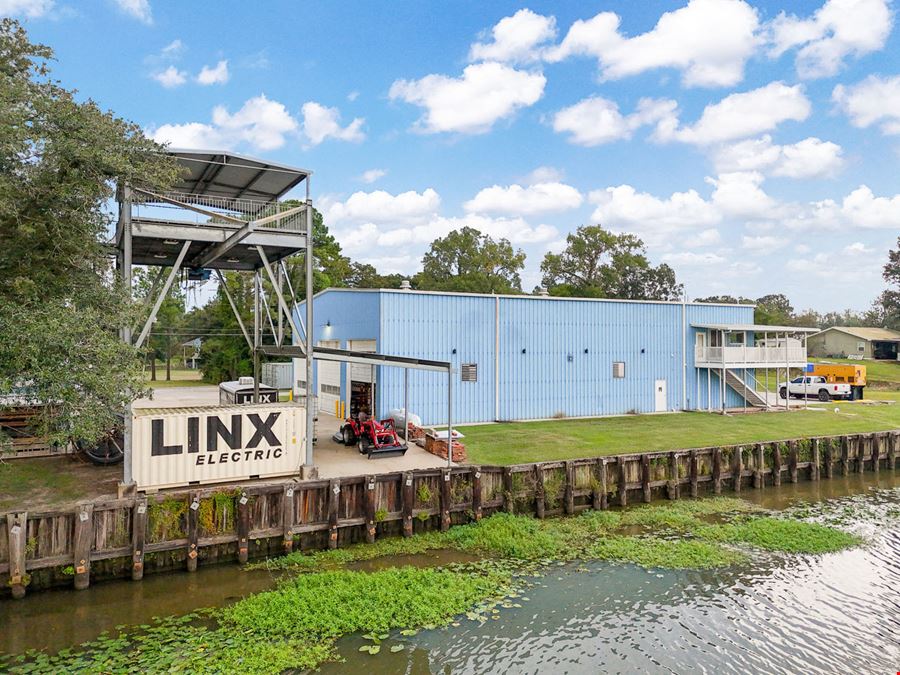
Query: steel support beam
x=281 y=303
x=190 y=207
x=234 y=308
x=310 y=413
x=162 y=295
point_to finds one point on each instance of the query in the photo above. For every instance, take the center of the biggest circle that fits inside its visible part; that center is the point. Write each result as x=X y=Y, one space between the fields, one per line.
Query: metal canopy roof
x=231 y=176
x=755 y=327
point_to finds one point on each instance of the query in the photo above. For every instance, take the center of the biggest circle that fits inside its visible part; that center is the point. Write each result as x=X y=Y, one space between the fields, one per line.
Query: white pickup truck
x=815 y=385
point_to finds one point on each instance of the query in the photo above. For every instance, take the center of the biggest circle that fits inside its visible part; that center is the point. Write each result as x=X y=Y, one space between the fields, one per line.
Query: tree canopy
x=599 y=264
x=467 y=260
x=60 y=308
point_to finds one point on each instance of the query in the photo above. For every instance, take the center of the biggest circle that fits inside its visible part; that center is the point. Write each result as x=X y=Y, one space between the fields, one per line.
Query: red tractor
x=372 y=437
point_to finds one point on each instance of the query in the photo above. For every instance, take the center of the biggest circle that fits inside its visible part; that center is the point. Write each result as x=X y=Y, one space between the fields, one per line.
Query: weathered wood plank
x=476 y=493
x=287 y=518
x=570 y=488
x=243 y=528
x=16 y=529
x=845 y=455
x=138 y=538
x=717 y=471
x=645 y=477
x=334 y=503
x=622 y=480
x=601 y=496
x=760 y=462
x=445 y=500
x=776 y=464
x=193 y=531
x=370 y=509
x=509 y=499
x=673 y=488
x=829 y=458
x=737 y=468
x=815 y=461
x=408 y=501
x=694 y=471
x=792 y=460
x=876 y=448
x=81 y=545
x=539 y=497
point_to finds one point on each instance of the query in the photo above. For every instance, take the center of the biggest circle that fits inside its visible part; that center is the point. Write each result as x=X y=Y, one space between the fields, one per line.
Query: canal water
x=836 y=613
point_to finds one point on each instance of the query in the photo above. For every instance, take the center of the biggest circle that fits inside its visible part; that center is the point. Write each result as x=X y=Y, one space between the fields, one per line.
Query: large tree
x=888 y=302
x=774 y=310
x=467 y=260
x=599 y=264
x=60 y=308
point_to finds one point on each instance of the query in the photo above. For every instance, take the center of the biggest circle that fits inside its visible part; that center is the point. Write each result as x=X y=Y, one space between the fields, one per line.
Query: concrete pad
x=335 y=460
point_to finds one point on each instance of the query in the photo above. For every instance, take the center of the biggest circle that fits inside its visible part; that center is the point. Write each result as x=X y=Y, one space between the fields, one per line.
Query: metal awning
x=348 y=356
x=219 y=173
x=754 y=327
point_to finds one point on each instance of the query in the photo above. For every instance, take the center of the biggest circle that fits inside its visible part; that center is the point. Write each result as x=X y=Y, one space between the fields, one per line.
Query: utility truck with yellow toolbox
x=826 y=381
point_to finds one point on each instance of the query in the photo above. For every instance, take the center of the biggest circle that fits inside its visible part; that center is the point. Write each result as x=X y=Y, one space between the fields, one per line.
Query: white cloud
x=597 y=120
x=524 y=201
x=657 y=220
x=740 y=194
x=321 y=123
x=838 y=29
x=171 y=77
x=473 y=103
x=544 y=174
x=692 y=259
x=875 y=100
x=763 y=245
x=173 y=49
x=215 y=75
x=261 y=123
x=383 y=207
x=516 y=39
x=138 y=9
x=860 y=209
x=741 y=115
x=809 y=158
x=192 y=135
x=858 y=248
x=708 y=237
x=31 y=9
x=709 y=41
x=372 y=175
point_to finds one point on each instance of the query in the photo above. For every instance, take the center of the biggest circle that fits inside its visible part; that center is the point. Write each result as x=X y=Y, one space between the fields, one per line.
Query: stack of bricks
x=439 y=447
x=415 y=432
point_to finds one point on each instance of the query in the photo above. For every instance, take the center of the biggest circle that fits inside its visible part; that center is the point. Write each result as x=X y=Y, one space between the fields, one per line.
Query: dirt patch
x=49 y=483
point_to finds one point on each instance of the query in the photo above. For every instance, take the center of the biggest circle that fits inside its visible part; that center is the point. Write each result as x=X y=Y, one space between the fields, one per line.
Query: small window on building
x=301 y=384
x=861 y=346
x=736 y=338
x=469 y=372
x=618 y=369
x=332 y=389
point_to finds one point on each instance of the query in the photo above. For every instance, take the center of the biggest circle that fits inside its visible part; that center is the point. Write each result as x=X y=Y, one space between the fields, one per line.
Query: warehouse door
x=661 y=400
x=361 y=380
x=329 y=384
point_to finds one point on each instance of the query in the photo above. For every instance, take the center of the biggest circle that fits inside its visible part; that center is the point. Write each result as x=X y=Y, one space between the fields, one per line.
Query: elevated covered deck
x=750 y=346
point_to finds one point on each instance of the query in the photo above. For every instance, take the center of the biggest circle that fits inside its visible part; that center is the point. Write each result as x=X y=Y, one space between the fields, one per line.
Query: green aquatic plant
x=781 y=534
x=654 y=552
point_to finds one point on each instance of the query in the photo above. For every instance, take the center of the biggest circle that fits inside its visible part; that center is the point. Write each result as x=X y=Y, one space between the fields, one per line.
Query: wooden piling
x=673 y=487
x=82 y=544
x=776 y=464
x=193 y=531
x=892 y=450
x=540 y=503
x=287 y=519
x=815 y=460
x=570 y=488
x=408 y=498
x=737 y=468
x=694 y=471
x=476 y=493
x=792 y=460
x=845 y=455
x=334 y=504
x=243 y=528
x=829 y=458
x=623 y=481
x=370 y=509
x=445 y=499
x=509 y=499
x=138 y=537
x=759 y=462
x=645 y=477
x=17 y=532
x=600 y=495
x=876 y=452
x=860 y=453
x=717 y=471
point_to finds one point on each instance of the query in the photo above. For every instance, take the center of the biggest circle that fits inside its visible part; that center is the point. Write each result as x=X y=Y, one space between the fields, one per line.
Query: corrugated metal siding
x=555 y=376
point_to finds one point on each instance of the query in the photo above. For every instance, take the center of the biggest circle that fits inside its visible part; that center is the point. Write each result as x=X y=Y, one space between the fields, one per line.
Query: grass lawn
x=521 y=442
x=883 y=372
x=180 y=378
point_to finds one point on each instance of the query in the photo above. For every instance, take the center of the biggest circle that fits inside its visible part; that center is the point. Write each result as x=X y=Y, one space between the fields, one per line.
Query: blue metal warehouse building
x=532 y=357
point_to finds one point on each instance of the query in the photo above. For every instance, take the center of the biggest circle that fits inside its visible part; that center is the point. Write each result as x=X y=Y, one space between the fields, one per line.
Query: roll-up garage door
x=329 y=379
x=362 y=372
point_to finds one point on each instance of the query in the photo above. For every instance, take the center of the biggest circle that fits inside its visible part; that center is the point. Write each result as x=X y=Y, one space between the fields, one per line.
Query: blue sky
x=754 y=147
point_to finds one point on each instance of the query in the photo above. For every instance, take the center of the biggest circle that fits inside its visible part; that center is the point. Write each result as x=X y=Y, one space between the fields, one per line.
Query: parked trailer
x=175 y=447
x=242 y=390
x=840 y=373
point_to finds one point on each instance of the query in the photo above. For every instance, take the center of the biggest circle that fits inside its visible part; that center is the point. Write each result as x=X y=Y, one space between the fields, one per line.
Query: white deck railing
x=738 y=355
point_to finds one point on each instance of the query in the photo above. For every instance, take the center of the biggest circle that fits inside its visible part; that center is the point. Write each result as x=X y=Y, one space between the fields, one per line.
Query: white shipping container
x=175 y=447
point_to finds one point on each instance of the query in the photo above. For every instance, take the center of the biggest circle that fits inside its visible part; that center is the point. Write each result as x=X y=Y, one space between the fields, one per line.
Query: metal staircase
x=750 y=394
